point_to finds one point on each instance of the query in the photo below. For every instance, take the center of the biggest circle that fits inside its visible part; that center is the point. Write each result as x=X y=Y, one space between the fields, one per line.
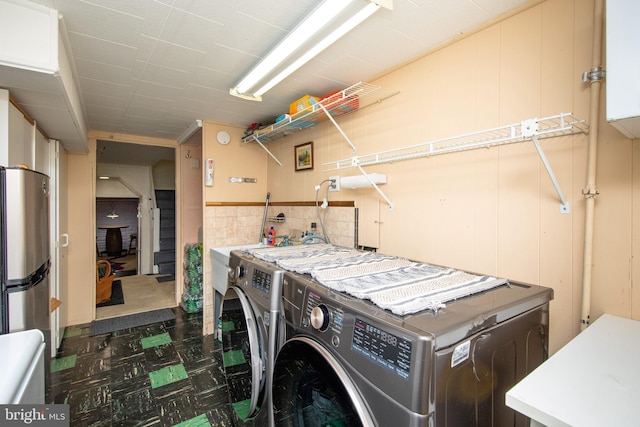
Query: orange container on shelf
x=337 y=105
x=301 y=103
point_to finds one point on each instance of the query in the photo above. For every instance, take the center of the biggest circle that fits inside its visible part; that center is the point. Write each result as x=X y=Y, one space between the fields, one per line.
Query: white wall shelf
x=343 y=102
x=346 y=101
x=527 y=130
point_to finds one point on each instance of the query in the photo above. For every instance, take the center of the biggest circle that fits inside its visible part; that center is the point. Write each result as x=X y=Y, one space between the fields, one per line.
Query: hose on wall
x=591 y=190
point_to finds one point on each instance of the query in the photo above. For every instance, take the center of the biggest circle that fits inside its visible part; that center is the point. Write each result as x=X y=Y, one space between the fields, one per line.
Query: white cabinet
x=623 y=66
x=21 y=143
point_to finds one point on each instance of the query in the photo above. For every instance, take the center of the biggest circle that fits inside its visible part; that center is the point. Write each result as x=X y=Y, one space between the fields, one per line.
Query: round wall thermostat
x=223 y=137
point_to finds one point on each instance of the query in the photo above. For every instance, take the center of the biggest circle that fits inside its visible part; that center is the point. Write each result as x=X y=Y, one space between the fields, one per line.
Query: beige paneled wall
x=493 y=210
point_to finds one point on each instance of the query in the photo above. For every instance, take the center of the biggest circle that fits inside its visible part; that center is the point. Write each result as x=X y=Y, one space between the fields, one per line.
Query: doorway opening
x=117 y=234
x=128 y=178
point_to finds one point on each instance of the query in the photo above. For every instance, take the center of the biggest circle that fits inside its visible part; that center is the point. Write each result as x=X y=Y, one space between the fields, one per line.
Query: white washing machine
x=252 y=331
x=347 y=362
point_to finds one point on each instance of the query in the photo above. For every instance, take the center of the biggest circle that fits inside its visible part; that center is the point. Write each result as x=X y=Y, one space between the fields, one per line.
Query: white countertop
x=20 y=353
x=594 y=380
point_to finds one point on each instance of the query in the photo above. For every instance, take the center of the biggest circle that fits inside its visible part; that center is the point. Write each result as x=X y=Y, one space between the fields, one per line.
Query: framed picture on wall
x=304 y=156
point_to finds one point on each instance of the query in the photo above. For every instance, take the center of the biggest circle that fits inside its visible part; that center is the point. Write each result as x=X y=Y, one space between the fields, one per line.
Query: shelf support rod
x=344 y=135
x=373 y=184
x=564 y=205
x=255 y=138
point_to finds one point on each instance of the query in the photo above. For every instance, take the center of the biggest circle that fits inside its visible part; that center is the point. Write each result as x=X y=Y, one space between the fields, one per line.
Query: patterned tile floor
x=163 y=374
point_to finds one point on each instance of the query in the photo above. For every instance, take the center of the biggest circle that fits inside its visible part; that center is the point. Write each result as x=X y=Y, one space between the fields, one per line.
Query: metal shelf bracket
x=564 y=204
x=255 y=138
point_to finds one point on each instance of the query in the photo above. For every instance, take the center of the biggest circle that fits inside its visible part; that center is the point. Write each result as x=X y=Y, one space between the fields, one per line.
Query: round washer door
x=311 y=389
x=242 y=354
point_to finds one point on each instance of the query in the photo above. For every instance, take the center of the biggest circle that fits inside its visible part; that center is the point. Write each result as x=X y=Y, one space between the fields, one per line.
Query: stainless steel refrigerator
x=24 y=250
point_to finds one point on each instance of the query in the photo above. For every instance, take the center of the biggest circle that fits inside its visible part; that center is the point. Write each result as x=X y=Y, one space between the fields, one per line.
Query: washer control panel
x=323 y=316
x=261 y=280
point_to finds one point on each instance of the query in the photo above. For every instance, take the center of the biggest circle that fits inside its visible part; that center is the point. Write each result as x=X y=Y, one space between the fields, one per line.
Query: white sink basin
x=220 y=264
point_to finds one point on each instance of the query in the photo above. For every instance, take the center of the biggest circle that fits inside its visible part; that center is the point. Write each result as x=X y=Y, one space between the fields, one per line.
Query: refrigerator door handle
x=66 y=240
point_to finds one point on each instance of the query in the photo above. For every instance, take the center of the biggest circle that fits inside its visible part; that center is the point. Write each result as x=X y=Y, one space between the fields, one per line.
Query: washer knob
x=240 y=272
x=320 y=317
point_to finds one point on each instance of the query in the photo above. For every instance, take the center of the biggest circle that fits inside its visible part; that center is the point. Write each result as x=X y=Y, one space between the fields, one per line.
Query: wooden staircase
x=165 y=259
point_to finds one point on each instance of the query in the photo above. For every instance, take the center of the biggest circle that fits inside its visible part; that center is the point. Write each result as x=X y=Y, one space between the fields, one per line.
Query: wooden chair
x=104 y=281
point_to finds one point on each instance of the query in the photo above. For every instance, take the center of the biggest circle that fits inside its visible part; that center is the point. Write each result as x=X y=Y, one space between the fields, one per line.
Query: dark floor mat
x=99 y=327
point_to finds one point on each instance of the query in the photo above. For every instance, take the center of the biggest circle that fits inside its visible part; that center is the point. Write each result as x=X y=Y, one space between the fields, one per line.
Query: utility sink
x=220 y=264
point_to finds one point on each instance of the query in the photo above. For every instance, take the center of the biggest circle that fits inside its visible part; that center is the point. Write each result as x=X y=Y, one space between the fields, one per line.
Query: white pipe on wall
x=591 y=190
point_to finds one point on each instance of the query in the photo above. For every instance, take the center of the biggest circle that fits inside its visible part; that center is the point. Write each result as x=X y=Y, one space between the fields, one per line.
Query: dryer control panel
x=384 y=348
x=362 y=336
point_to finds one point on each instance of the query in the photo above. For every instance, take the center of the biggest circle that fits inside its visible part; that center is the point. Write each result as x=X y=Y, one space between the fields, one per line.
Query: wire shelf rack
x=341 y=103
x=548 y=127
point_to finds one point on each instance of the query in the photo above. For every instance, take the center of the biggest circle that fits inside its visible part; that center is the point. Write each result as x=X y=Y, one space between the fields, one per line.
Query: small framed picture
x=304 y=156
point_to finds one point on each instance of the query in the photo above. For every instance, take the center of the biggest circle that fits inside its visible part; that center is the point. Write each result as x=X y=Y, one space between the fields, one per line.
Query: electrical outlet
x=335 y=185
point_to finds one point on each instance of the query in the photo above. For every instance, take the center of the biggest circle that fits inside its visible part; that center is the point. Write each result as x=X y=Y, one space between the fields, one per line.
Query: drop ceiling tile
x=104 y=111
x=176 y=57
x=216 y=11
x=144 y=50
x=104 y=71
x=99 y=87
x=155 y=18
x=100 y=50
x=208 y=78
x=190 y=31
x=125 y=7
x=103 y=23
x=151 y=89
x=164 y=76
x=146 y=106
x=280 y=14
x=221 y=58
x=250 y=35
x=91 y=99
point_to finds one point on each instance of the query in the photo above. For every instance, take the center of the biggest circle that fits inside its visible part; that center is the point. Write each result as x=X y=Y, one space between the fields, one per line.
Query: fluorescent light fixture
x=310 y=27
x=343 y=29
x=104 y=177
x=190 y=131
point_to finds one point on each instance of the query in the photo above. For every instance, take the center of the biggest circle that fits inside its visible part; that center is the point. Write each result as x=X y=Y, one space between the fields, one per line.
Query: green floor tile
x=242 y=408
x=199 y=421
x=233 y=358
x=156 y=340
x=167 y=375
x=63 y=363
x=228 y=326
x=72 y=332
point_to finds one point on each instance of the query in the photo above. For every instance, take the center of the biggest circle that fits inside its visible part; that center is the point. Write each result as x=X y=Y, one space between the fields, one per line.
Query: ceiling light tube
x=343 y=29
x=310 y=26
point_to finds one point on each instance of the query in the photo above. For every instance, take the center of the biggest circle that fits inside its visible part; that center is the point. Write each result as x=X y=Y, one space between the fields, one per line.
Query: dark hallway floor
x=163 y=374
